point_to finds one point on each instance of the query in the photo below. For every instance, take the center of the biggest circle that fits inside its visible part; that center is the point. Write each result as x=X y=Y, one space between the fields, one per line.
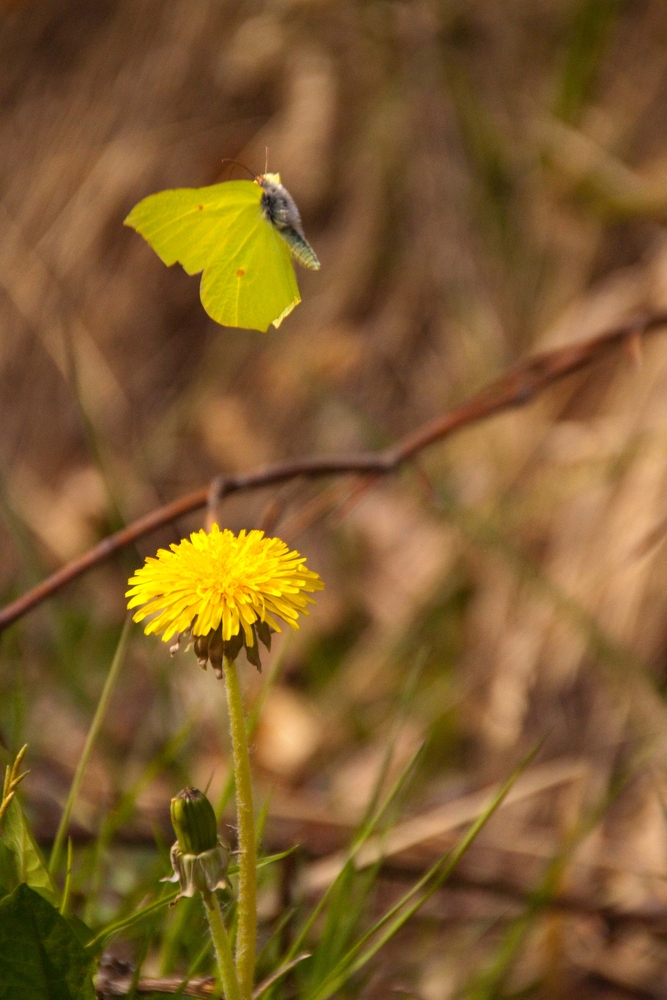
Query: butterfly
x=242 y=235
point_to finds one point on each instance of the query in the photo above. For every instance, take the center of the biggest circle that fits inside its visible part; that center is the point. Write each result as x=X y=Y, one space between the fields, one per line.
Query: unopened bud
x=199 y=857
x=194 y=822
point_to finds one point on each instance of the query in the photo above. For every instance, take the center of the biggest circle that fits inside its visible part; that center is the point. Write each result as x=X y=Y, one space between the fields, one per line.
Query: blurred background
x=479 y=180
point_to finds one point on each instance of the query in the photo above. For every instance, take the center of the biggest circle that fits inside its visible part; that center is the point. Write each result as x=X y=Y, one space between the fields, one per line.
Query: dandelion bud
x=194 y=822
x=199 y=857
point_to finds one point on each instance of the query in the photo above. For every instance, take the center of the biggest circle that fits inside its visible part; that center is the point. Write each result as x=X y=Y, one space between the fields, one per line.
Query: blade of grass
x=64 y=903
x=278 y=974
x=403 y=910
x=93 y=732
x=391 y=912
x=260 y=822
x=173 y=935
x=268 y=860
x=133 y=918
x=359 y=839
x=194 y=965
x=344 y=914
x=406 y=698
x=274 y=937
x=488 y=983
x=349 y=901
x=591 y=27
x=123 y=810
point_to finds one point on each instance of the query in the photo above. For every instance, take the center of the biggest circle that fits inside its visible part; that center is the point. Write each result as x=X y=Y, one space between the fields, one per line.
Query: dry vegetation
x=480 y=180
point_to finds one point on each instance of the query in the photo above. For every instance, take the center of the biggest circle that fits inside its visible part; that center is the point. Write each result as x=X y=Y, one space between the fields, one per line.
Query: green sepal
x=203 y=872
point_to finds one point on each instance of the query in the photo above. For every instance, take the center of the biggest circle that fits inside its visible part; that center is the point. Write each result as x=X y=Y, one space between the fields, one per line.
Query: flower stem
x=247 y=905
x=230 y=983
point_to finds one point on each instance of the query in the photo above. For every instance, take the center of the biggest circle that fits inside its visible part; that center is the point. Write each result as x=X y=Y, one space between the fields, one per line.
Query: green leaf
x=28 y=860
x=81 y=931
x=8 y=879
x=40 y=956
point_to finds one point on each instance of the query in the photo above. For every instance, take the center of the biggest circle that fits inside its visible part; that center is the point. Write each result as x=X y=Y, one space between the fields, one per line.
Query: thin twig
x=518 y=387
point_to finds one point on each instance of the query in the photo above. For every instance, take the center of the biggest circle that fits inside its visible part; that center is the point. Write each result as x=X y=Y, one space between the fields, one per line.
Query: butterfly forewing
x=188 y=224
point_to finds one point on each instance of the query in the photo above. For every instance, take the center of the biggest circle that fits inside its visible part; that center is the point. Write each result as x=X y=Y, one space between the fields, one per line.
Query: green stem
x=93 y=733
x=230 y=983
x=247 y=904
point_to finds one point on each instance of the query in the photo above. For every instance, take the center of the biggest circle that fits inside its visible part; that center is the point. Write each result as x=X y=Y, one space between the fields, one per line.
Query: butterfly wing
x=248 y=278
x=253 y=283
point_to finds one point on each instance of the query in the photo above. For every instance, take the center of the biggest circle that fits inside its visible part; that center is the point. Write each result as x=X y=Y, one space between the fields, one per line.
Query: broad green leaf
x=82 y=932
x=248 y=278
x=28 y=860
x=8 y=878
x=40 y=956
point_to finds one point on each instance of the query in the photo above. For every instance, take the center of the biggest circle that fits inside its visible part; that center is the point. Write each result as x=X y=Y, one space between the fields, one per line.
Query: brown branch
x=515 y=389
x=115 y=979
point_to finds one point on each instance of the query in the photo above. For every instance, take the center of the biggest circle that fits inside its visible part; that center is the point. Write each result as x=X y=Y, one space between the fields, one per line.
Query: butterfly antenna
x=266 y=159
x=227 y=159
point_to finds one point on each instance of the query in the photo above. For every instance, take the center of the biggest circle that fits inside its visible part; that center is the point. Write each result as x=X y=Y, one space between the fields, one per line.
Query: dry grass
x=479 y=180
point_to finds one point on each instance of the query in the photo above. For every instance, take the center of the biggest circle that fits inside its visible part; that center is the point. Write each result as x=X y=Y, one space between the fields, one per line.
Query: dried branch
x=115 y=979
x=515 y=389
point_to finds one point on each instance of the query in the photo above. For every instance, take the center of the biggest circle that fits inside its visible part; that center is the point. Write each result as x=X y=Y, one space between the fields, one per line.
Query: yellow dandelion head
x=218 y=581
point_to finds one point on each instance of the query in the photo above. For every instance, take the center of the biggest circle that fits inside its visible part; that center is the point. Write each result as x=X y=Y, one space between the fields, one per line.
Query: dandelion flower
x=223 y=591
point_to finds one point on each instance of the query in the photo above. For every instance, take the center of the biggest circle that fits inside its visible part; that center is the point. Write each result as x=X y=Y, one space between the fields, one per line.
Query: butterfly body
x=279 y=208
x=242 y=235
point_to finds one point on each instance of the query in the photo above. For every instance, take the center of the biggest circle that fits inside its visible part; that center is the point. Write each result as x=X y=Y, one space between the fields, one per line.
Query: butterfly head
x=270 y=178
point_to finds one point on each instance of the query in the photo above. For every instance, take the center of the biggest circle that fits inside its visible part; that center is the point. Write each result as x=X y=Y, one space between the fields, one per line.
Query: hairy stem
x=247 y=905
x=223 y=951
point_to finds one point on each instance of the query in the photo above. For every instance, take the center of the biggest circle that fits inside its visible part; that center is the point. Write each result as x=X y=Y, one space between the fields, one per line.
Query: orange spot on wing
x=200 y=207
x=240 y=273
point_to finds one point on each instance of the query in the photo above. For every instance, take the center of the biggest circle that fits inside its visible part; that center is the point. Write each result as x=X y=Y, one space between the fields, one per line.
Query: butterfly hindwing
x=253 y=284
